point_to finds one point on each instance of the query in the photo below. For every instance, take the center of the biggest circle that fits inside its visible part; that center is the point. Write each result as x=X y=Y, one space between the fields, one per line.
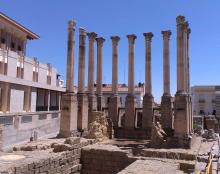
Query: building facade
x=30 y=91
x=206 y=100
x=122 y=93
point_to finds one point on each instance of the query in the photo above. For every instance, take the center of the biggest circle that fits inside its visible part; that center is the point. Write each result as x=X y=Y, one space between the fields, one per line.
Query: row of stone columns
x=89 y=102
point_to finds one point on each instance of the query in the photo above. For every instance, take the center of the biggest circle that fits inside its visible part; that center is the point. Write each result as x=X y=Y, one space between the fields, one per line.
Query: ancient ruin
x=92 y=138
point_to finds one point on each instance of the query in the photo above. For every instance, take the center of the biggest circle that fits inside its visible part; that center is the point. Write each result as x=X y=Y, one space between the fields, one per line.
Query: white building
x=122 y=93
x=206 y=100
x=29 y=90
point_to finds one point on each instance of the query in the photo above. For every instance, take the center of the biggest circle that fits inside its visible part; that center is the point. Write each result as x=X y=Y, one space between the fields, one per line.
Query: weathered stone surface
x=61 y=147
x=98 y=127
x=158 y=136
x=72 y=140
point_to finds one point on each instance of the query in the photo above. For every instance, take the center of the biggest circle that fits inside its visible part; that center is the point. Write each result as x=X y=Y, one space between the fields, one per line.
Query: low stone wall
x=104 y=159
x=58 y=157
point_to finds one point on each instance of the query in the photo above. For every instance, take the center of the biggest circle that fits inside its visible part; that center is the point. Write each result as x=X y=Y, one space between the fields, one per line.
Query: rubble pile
x=98 y=128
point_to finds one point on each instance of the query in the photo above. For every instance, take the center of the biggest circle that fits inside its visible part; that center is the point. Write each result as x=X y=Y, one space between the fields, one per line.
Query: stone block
x=82 y=122
x=113 y=106
x=129 y=112
x=167 y=116
x=148 y=115
x=182 y=115
x=68 y=120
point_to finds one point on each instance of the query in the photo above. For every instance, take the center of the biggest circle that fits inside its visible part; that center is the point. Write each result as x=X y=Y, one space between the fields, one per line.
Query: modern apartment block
x=30 y=91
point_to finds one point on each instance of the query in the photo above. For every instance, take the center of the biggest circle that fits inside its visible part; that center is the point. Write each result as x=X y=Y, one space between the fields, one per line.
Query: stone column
x=188 y=77
x=81 y=61
x=100 y=101
x=82 y=122
x=180 y=54
x=114 y=102
x=148 y=100
x=70 y=57
x=166 y=101
x=68 y=120
x=130 y=99
x=91 y=97
x=182 y=104
x=6 y=95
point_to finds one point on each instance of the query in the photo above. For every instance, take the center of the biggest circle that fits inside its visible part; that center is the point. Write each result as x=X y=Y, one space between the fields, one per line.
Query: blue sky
x=121 y=17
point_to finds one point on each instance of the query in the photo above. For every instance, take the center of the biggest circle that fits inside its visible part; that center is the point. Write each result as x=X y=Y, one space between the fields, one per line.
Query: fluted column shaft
x=131 y=41
x=115 y=40
x=100 y=42
x=92 y=37
x=166 y=62
x=180 y=54
x=70 y=57
x=81 y=62
x=148 y=85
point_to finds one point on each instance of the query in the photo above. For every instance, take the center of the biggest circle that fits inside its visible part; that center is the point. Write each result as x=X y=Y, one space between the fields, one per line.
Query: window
x=3 y=40
x=19 y=48
x=35 y=70
x=201 y=98
x=12 y=46
x=3 y=62
x=49 y=73
x=20 y=67
x=54 y=101
x=42 y=100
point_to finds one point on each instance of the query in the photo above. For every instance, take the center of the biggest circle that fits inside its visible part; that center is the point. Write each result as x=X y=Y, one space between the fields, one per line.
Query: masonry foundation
x=68 y=120
x=148 y=115
x=167 y=114
x=113 y=106
x=82 y=121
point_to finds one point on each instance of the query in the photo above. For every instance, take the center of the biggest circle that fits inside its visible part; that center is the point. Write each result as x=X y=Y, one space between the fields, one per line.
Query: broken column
x=148 y=100
x=182 y=114
x=82 y=122
x=114 y=102
x=91 y=97
x=129 y=123
x=166 y=101
x=100 y=102
x=68 y=120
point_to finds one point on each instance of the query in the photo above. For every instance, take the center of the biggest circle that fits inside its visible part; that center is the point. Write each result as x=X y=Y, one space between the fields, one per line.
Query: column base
x=113 y=106
x=166 y=113
x=82 y=122
x=92 y=103
x=148 y=114
x=130 y=112
x=100 y=102
x=68 y=119
x=182 y=115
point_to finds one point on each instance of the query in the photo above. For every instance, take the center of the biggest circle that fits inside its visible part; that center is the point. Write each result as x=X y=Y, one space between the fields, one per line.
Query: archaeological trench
x=93 y=139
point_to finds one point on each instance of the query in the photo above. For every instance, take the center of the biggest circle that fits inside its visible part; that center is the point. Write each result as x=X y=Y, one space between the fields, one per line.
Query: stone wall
x=104 y=159
x=50 y=157
x=22 y=127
